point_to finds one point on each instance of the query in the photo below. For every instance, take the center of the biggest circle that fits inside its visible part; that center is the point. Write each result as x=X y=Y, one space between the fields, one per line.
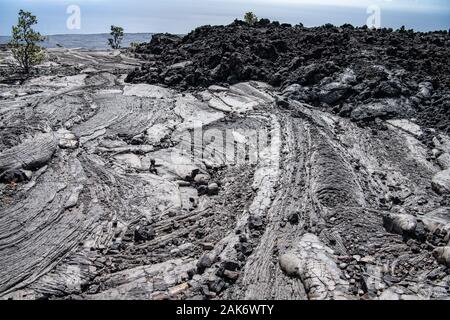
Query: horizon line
x=217 y=25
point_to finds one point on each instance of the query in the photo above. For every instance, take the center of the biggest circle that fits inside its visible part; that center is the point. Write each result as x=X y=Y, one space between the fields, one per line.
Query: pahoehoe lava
x=116 y=180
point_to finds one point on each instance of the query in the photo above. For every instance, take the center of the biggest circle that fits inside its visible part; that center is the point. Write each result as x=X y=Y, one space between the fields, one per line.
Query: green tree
x=134 y=45
x=250 y=18
x=23 y=42
x=117 y=37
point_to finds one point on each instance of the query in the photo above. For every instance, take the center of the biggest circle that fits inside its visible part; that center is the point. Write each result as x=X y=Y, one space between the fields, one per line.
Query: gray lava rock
x=442 y=254
x=255 y=223
x=231 y=275
x=382 y=110
x=203 y=263
x=289 y=264
x=213 y=189
x=334 y=92
x=201 y=179
x=217 y=286
x=144 y=233
x=444 y=160
x=441 y=182
x=403 y=224
x=230 y=265
x=293 y=218
x=13 y=175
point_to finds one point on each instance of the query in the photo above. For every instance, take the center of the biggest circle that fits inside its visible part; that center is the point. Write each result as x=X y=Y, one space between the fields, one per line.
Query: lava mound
x=337 y=68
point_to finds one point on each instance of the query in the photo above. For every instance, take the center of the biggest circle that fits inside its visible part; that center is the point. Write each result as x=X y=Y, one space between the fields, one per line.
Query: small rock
x=172 y=213
x=255 y=223
x=13 y=176
x=442 y=254
x=402 y=224
x=202 y=189
x=144 y=233
x=67 y=140
x=289 y=264
x=203 y=263
x=444 y=160
x=207 y=245
x=441 y=182
x=232 y=275
x=183 y=183
x=245 y=248
x=217 y=286
x=367 y=259
x=293 y=218
x=174 y=291
x=230 y=265
x=213 y=189
x=160 y=296
x=389 y=295
x=201 y=179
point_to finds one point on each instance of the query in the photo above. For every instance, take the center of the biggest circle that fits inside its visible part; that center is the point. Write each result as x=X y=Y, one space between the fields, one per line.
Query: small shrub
x=135 y=44
x=250 y=18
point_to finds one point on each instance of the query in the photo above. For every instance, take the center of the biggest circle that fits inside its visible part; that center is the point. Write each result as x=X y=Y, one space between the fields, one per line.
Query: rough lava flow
x=117 y=180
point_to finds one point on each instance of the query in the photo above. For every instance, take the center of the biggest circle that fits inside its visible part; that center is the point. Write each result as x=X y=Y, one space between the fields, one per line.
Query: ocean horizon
x=96 y=41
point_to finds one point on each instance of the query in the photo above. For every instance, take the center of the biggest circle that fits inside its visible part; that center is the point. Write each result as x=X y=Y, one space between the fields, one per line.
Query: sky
x=181 y=16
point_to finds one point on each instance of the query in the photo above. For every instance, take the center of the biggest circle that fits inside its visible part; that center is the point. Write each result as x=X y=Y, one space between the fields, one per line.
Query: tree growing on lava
x=24 y=41
x=117 y=37
x=250 y=18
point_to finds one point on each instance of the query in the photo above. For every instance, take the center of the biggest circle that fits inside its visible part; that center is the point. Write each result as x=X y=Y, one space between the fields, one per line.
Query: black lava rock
x=255 y=223
x=13 y=175
x=318 y=60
